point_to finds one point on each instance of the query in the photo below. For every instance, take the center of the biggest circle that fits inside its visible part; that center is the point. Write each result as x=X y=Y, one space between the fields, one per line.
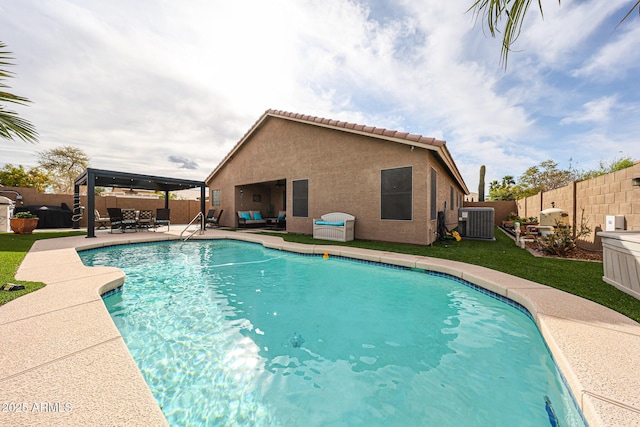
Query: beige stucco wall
x=610 y=194
x=343 y=170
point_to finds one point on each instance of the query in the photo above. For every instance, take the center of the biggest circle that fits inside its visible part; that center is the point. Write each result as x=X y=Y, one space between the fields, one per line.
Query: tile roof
x=434 y=144
x=360 y=128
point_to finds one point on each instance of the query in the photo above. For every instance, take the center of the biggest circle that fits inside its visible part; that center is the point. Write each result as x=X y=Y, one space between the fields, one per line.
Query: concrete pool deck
x=65 y=363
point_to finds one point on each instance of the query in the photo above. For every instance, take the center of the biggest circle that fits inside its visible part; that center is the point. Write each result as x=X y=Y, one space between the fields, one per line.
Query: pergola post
x=91 y=204
x=203 y=223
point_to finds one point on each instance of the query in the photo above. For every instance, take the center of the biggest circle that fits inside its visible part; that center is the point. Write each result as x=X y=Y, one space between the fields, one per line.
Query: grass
x=13 y=248
x=580 y=278
x=575 y=277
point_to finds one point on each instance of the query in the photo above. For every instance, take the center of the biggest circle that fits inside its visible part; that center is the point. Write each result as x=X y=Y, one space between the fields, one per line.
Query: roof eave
x=418 y=141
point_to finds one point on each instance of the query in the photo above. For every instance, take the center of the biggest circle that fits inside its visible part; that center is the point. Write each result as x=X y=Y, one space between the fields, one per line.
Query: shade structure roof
x=106 y=178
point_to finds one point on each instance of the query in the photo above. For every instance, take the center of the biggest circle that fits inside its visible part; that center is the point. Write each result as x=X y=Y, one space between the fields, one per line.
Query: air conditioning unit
x=476 y=223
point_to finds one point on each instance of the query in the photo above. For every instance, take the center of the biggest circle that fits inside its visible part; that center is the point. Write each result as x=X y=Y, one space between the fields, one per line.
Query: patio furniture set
x=337 y=226
x=248 y=219
x=134 y=220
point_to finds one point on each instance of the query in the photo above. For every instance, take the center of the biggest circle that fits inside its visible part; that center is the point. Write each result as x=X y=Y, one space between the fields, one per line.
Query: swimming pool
x=231 y=333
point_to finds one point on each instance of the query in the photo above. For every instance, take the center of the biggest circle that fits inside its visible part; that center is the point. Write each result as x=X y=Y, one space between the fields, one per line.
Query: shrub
x=563 y=240
x=25 y=215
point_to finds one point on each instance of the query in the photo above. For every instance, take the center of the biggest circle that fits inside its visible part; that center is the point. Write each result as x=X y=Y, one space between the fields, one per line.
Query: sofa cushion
x=334 y=223
x=244 y=215
x=256 y=215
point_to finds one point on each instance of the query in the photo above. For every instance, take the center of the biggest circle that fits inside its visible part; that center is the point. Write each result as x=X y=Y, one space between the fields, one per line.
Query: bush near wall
x=610 y=194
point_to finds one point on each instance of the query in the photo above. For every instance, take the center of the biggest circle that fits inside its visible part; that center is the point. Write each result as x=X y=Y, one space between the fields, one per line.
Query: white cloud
x=615 y=59
x=135 y=84
x=596 y=111
x=565 y=28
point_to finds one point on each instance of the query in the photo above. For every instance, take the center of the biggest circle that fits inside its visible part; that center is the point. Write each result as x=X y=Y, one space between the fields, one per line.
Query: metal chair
x=115 y=217
x=129 y=219
x=145 y=219
x=212 y=220
x=100 y=221
x=162 y=218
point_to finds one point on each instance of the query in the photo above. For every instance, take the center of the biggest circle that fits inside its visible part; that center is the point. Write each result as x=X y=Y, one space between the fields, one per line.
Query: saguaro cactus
x=483 y=170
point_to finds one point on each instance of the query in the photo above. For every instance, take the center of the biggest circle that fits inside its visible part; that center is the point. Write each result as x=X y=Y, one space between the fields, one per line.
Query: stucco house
x=394 y=183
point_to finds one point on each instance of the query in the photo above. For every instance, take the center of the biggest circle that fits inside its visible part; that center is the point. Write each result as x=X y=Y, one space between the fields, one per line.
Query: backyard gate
x=476 y=223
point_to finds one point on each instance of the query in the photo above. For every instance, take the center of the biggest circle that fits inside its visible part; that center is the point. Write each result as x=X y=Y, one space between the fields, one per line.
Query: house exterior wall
x=343 y=170
x=610 y=194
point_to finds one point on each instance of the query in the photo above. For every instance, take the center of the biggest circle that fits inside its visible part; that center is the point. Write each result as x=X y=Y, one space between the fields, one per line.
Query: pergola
x=104 y=178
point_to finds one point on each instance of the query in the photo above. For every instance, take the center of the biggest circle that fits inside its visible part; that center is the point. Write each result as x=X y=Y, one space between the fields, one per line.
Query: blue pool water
x=232 y=334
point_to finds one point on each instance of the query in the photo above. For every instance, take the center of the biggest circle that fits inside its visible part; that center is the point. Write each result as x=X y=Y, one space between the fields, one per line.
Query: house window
x=301 y=198
x=396 y=190
x=215 y=198
x=434 y=188
x=451 y=198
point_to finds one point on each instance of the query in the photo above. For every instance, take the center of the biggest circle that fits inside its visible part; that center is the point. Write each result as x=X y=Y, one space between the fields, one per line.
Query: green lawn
x=576 y=277
x=13 y=248
x=580 y=278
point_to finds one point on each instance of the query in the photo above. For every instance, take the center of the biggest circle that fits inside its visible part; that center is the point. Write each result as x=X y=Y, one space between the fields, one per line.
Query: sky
x=167 y=87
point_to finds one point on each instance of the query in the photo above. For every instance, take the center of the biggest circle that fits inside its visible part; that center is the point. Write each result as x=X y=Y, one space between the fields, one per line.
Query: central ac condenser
x=476 y=223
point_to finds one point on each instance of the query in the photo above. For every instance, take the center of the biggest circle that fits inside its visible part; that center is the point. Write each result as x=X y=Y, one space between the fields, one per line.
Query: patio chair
x=213 y=220
x=162 y=218
x=210 y=217
x=115 y=218
x=145 y=219
x=100 y=221
x=129 y=219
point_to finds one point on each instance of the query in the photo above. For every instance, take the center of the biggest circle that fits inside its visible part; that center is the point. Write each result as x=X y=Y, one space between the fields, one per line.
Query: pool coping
x=65 y=363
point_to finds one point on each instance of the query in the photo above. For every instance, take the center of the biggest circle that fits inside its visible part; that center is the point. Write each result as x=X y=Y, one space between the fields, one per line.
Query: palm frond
x=11 y=125
x=513 y=13
x=635 y=6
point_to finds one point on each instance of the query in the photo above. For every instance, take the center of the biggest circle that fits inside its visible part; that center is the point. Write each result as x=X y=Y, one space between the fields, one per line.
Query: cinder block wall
x=182 y=211
x=592 y=200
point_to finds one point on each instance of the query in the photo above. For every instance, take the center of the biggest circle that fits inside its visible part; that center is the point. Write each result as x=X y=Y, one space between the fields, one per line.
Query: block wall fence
x=592 y=200
x=182 y=211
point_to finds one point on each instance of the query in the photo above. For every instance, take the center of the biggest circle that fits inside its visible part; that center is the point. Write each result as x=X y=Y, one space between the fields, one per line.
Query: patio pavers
x=61 y=346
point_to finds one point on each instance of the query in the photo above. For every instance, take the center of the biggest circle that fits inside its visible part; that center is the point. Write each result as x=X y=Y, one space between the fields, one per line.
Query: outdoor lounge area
x=254 y=219
x=128 y=218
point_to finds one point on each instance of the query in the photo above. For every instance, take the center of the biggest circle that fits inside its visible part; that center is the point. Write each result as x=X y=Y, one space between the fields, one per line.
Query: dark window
x=434 y=189
x=396 y=193
x=451 y=198
x=301 y=198
x=215 y=198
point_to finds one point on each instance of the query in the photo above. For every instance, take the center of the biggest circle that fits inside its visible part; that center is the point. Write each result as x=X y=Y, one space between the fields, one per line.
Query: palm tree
x=513 y=12
x=11 y=125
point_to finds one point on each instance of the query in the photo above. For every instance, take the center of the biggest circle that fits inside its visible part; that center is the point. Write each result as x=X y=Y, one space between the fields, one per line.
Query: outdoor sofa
x=250 y=219
x=336 y=226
